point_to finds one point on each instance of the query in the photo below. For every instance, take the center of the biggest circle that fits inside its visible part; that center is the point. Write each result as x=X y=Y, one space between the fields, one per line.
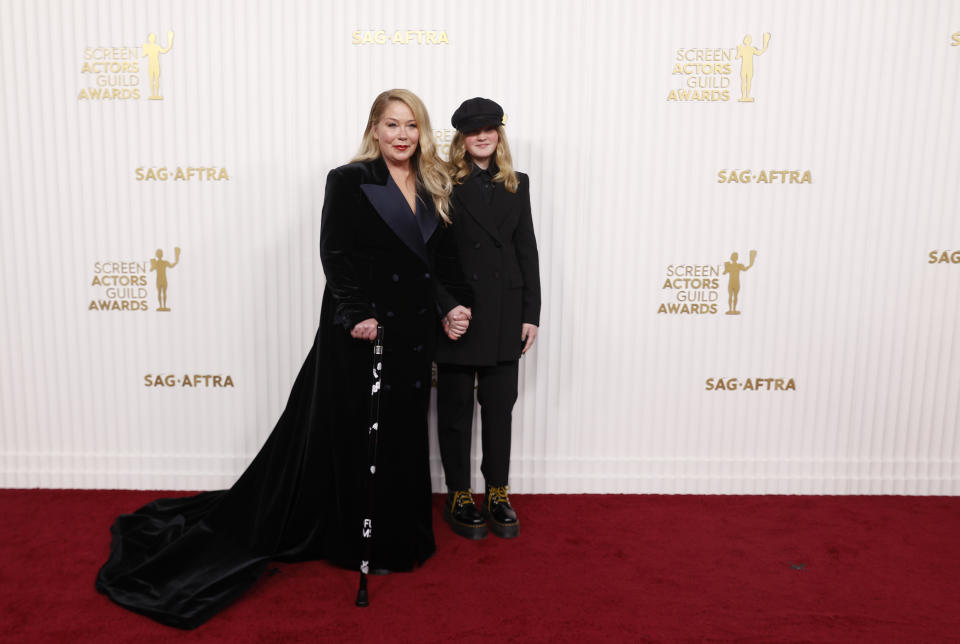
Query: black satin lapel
x=392 y=207
x=426 y=217
x=469 y=196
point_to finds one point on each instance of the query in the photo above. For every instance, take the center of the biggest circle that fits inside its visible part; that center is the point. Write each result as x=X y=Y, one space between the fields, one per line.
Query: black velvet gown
x=179 y=561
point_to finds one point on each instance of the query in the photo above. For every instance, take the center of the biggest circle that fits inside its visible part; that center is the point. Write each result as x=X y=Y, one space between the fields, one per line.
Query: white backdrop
x=844 y=303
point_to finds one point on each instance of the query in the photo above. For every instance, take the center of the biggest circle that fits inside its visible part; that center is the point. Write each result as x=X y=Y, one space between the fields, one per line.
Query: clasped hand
x=456 y=321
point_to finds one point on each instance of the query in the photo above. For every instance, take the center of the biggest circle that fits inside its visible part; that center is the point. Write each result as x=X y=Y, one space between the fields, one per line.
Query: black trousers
x=496 y=392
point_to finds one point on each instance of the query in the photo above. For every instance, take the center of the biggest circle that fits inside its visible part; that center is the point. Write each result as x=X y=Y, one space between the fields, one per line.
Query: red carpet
x=586 y=568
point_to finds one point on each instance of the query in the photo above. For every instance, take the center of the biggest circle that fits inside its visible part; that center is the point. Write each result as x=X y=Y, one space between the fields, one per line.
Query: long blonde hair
x=425 y=161
x=460 y=161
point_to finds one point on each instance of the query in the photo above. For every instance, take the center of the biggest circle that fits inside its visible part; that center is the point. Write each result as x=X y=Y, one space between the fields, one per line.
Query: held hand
x=459 y=313
x=452 y=333
x=528 y=335
x=455 y=330
x=365 y=330
x=456 y=322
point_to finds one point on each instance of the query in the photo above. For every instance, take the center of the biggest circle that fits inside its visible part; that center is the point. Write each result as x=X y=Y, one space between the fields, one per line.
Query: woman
x=179 y=561
x=493 y=231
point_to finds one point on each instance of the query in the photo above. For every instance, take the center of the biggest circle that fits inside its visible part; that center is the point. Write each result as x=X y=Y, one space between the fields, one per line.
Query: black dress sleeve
x=338 y=247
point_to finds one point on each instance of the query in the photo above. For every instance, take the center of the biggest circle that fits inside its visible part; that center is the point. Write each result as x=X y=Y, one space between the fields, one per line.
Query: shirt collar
x=491 y=170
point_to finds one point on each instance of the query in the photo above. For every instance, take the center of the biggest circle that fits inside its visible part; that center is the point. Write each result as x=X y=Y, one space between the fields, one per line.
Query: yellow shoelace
x=497 y=494
x=461 y=498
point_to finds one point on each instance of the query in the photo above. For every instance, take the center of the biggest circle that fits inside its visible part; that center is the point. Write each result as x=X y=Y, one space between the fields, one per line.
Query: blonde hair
x=426 y=162
x=460 y=161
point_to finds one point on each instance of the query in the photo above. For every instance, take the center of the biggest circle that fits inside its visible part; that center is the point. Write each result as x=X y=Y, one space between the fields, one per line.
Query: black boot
x=463 y=516
x=498 y=513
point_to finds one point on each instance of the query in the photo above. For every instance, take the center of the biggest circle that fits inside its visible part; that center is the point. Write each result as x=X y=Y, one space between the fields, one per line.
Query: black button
x=416 y=385
x=389 y=314
x=396 y=278
x=421 y=311
x=477 y=245
x=418 y=348
x=497 y=244
x=426 y=275
x=475 y=278
x=496 y=275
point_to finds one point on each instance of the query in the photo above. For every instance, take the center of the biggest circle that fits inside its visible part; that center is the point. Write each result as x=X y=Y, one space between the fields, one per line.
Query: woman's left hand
x=528 y=334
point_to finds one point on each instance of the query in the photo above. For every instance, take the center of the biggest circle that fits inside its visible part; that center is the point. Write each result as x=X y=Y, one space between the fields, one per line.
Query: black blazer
x=499 y=260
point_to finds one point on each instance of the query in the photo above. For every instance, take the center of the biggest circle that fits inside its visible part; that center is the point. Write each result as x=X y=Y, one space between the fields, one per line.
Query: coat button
x=422 y=311
x=497 y=244
x=475 y=278
x=476 y=245
x=389 y=314
x=396 y=278
x=426 y=275
x=496 y=275
x=416 y=385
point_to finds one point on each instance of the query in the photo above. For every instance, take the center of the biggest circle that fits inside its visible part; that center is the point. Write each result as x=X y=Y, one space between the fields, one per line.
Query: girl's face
x=481 y=145
x=397 y=134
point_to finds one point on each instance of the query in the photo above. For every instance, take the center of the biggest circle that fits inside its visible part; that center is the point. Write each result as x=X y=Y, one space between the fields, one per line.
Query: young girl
x=493 y=230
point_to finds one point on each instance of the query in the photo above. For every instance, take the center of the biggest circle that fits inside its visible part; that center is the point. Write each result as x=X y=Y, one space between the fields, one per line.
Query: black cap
x=475 y=114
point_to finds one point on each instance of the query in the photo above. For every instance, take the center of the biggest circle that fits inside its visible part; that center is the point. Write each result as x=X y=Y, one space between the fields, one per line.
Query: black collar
x=491 y=170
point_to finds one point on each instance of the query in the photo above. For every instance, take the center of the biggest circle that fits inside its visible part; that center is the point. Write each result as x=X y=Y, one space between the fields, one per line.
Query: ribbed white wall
x=841 y=299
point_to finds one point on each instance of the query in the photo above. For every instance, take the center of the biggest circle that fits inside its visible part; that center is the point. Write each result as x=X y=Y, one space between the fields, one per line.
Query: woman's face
x=397 y=134
x=482 y=145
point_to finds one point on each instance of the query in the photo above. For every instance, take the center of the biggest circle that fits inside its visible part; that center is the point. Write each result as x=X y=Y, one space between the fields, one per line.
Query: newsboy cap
x=475 y=114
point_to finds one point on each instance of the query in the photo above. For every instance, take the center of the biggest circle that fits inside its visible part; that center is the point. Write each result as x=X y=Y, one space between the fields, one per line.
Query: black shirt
x=485 y=177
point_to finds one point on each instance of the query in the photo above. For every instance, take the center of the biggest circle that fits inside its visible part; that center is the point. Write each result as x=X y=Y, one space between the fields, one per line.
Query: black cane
x=373 y=428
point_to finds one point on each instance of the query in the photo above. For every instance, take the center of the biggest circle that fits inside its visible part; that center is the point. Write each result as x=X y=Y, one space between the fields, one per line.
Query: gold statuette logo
x=707 y=71
x=733 y=269
x=151 y=51
x=746 y=53
x=114 y=73
x=694 y=289
x=160 y=265
x=956 y=40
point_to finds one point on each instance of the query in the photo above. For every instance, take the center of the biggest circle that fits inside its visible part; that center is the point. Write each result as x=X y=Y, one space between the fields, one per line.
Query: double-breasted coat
x=497 y=251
